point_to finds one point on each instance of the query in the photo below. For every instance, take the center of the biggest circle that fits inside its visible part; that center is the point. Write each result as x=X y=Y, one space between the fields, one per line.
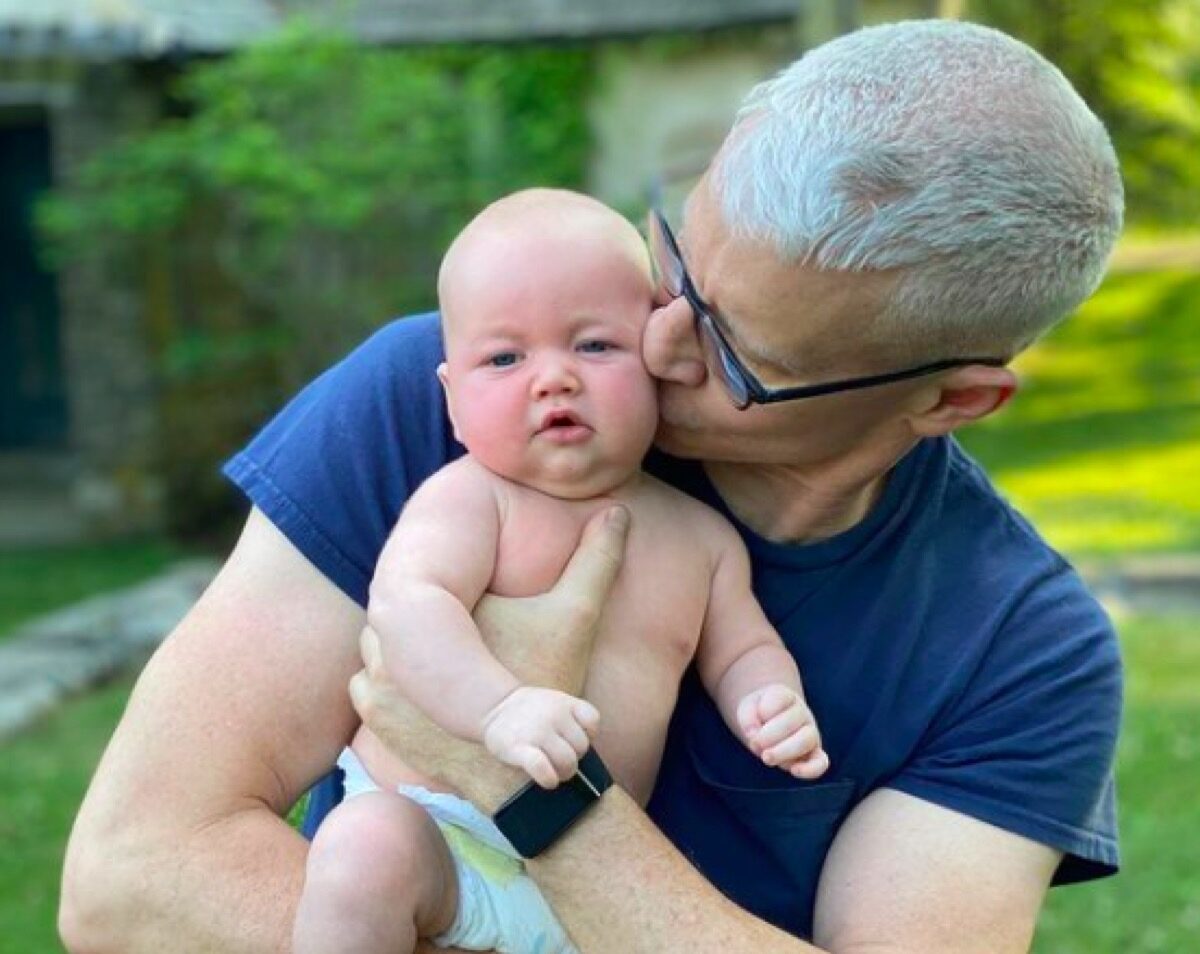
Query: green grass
x=1101 y=448
x=43 y=775
x=39 y=580
x=1154 y=905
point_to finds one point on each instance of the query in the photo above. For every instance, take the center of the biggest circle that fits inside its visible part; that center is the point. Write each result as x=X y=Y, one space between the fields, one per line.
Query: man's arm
x=905 y=871
x=903 y=875
x=179 y=844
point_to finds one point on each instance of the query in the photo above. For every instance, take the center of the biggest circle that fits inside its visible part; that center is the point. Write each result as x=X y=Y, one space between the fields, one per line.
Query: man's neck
x=788 y=504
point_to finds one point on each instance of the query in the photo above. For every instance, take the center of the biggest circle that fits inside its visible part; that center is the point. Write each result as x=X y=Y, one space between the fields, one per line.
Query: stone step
x=69 y=650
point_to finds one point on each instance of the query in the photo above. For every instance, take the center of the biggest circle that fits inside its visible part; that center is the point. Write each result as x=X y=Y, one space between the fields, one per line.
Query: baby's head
x=544 y=296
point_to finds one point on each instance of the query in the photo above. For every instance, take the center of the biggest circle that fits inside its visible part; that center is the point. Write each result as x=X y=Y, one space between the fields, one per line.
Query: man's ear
x=444 y=377
x=965 y=395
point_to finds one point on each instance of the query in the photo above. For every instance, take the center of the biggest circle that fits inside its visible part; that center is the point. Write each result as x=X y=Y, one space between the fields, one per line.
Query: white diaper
x=499 y=906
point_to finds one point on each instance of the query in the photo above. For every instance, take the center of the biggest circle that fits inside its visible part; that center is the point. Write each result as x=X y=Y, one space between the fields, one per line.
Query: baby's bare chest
x=658 y=603
x=651 y=622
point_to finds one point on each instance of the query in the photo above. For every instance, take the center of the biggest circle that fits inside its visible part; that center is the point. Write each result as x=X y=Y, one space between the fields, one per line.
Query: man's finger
x=370 y=650
x=360 y=692
x=597 y=560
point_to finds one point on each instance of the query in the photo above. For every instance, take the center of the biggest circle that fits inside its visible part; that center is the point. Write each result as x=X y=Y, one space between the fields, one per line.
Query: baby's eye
x=503 y=359
x=595 y=346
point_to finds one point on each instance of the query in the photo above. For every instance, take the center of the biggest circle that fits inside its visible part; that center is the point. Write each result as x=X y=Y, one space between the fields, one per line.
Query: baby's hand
x=779 y=728
x=543 y=731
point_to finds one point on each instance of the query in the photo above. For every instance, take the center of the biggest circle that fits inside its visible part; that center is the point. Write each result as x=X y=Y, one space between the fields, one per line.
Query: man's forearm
x=619 y=886
x=231 y=886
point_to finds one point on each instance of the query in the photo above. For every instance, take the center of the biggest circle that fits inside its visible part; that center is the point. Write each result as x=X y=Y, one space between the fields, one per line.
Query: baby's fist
x=779 y=728
x=542 y=731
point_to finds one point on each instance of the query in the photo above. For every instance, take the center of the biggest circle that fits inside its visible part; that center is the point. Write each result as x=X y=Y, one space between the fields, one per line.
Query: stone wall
x=661 y=110
x=113 y=397
x=101 y=483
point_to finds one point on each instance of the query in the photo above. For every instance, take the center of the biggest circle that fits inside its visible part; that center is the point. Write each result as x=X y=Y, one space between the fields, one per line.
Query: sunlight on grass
x=1101 y=449
x=1146 y=500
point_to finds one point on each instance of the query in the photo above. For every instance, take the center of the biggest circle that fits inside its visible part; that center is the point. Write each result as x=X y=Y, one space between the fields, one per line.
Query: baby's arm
x=751 y=675
x=434 y=568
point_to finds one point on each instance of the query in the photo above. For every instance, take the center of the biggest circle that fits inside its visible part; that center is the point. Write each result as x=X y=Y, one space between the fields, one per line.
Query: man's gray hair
x=946 y=150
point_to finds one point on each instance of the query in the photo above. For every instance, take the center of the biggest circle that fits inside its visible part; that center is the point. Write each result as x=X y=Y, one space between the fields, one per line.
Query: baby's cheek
x=490 y=426
x=636 y=399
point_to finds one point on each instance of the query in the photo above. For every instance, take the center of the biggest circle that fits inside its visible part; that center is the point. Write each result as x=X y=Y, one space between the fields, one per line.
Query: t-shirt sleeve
x=334 y=467
x=1029 y=744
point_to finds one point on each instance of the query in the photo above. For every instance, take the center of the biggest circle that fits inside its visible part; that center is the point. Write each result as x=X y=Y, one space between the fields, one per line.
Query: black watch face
x=534 y=817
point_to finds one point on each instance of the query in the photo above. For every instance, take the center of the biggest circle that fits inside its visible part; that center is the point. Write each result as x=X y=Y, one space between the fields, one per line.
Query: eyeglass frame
x=742 y=385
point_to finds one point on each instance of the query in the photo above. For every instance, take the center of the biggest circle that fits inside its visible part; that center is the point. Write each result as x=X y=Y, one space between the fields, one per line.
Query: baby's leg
x=379 y=876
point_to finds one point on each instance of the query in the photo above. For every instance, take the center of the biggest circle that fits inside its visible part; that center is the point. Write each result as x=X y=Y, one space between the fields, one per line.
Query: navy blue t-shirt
x=946 y=650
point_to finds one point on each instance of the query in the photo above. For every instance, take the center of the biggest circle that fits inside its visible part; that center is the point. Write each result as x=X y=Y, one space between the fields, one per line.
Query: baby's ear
x=444 y=377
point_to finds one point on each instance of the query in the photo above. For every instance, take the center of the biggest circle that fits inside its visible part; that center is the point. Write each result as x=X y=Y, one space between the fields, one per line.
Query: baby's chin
x=575 y=486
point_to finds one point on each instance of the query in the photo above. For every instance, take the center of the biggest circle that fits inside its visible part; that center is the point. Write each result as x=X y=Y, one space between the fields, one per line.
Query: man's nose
x=670 y=347
x=556 y=374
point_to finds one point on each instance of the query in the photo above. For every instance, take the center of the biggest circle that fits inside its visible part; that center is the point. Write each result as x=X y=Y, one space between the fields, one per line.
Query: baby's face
x=544 y=373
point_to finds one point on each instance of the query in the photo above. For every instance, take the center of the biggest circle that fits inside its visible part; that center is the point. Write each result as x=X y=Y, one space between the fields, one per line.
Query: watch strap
x=533 y=818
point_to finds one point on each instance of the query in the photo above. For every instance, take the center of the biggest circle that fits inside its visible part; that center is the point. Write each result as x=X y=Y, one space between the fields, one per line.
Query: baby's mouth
x=560 y=418
x=563 y=426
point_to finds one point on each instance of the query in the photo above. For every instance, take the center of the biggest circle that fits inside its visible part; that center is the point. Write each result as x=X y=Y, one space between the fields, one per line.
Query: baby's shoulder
x=464 y=479
x=670 y=510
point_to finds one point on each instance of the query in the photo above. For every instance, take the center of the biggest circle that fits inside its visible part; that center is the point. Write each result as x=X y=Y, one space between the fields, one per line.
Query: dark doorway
x=32 y=400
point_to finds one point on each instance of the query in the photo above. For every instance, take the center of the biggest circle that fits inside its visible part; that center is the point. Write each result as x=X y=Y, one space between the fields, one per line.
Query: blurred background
x=203 y=205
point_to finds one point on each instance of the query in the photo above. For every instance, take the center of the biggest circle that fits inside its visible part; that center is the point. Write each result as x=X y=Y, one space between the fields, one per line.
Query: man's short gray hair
x=946 y=150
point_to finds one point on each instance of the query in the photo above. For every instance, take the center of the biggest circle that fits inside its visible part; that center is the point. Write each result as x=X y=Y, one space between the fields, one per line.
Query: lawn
x=1154 y=904
x=1101 y=448
x=36 y=581
x=43 y=775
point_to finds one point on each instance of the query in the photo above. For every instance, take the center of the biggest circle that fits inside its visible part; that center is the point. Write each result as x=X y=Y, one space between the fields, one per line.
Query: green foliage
x=301 y=195
x=1137 y=63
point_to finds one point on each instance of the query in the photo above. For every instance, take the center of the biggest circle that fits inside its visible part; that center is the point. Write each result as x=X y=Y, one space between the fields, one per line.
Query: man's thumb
x=597 y=560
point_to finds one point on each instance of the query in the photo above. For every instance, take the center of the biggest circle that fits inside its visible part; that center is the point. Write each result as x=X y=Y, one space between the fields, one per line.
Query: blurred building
x=78 y=407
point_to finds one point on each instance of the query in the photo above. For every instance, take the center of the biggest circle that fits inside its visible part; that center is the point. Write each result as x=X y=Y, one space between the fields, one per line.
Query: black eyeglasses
x=740 y=382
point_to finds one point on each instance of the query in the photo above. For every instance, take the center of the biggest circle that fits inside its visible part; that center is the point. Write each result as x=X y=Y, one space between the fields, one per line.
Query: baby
x=544 y=297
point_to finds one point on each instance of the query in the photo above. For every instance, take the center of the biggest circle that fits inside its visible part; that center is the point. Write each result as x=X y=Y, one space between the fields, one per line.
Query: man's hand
x=542 y=731
x=779 y=728
x=544 y=640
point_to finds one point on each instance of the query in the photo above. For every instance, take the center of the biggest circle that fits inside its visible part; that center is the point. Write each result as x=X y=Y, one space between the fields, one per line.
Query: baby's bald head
x=521 y=244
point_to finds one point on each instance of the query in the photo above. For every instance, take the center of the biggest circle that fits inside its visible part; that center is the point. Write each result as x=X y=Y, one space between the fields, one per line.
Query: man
x=890 y=219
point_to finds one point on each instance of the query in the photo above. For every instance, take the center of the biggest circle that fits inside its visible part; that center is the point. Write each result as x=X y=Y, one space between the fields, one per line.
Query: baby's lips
x=559 y=417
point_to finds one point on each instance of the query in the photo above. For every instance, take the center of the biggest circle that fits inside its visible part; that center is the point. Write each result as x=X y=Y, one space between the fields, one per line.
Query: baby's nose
x=555 y=376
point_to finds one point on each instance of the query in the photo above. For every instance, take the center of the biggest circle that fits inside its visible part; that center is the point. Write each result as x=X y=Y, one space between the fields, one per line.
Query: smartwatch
x=533 y=818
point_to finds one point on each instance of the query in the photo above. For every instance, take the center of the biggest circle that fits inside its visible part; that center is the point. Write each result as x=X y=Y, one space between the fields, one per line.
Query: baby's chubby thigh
x=379 y=861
